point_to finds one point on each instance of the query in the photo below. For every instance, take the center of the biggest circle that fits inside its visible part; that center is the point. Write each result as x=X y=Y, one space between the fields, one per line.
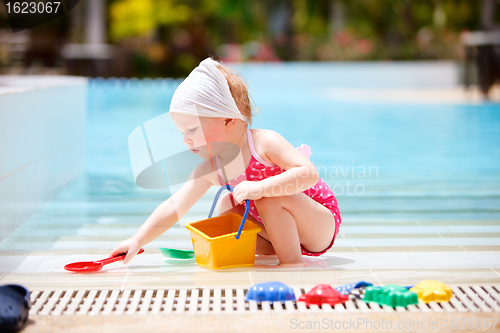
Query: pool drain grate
x=204 y=301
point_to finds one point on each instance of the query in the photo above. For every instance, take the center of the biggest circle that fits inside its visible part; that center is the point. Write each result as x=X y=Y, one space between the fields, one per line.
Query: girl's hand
x=130 y=246
x=247 y=190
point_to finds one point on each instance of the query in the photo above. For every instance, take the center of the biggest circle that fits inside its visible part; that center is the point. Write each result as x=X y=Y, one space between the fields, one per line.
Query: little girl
x=297 y=211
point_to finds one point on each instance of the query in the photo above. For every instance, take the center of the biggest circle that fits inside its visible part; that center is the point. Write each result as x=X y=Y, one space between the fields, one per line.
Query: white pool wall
x=42 y=142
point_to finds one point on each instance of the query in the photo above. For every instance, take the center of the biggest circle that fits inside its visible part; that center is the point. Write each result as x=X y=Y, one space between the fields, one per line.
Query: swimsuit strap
x=254 y=153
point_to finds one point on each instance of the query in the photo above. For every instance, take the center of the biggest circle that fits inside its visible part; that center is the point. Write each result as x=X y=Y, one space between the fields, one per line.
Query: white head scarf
x=205 y=93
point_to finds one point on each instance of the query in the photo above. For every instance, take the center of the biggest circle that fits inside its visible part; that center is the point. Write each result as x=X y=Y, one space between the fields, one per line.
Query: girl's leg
x=264 y=247
x=226 y=206
x=293 y=220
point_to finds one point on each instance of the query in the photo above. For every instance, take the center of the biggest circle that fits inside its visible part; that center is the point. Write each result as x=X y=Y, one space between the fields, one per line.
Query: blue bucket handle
x=230 y=188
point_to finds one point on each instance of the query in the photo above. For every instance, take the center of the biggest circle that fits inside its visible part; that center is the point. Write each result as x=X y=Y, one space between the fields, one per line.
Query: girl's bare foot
x=303 y=264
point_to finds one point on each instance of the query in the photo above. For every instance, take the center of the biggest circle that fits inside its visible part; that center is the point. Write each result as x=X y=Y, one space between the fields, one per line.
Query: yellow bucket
x=216 y=243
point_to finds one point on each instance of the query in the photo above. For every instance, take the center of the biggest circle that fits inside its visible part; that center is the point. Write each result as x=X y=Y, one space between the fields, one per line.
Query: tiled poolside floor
x=393 y=244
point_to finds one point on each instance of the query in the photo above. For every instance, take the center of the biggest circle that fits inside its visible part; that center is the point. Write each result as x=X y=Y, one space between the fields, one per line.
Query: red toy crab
x=323 y=293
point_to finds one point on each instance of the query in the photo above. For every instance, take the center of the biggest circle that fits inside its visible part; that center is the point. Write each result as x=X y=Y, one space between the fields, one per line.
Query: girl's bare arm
x=300 y=174
x=164 y=216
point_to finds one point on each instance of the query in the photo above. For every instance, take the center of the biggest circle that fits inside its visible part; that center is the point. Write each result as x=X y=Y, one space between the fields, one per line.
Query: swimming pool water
x=416 y=158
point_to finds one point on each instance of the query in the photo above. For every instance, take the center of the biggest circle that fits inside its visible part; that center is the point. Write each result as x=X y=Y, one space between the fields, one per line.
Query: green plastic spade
x=176 y=253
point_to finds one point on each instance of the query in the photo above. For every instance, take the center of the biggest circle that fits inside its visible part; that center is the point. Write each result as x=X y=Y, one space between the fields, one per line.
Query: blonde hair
x=239 y=90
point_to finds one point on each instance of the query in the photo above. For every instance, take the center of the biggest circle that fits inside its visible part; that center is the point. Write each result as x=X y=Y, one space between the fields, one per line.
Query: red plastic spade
x=94 y=266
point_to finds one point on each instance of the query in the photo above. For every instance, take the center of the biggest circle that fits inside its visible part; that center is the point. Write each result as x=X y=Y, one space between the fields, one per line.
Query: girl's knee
x=274 y=202
x=265 y=202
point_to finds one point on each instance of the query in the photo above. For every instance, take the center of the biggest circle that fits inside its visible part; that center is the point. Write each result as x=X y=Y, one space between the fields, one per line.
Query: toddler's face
x=200 y=131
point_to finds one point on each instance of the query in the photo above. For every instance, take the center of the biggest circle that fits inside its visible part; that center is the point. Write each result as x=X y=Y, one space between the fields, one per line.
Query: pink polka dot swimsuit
x=259 y=169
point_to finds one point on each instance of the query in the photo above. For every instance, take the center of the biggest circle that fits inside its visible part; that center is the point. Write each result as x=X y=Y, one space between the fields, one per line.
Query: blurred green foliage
x=179 y=33
x=140 y=17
